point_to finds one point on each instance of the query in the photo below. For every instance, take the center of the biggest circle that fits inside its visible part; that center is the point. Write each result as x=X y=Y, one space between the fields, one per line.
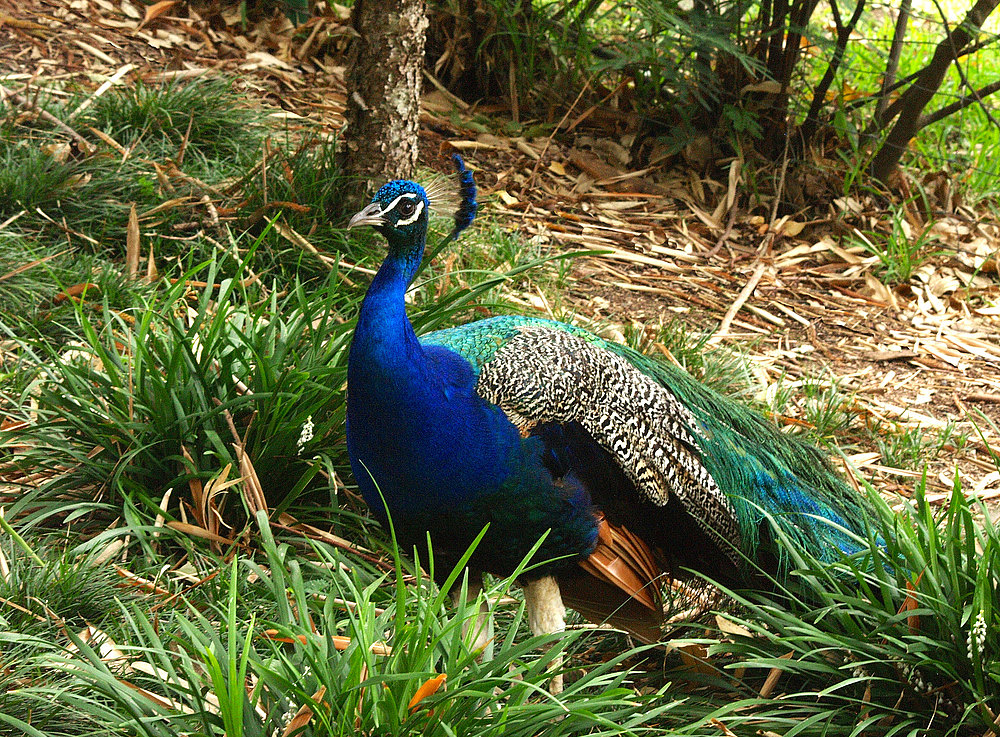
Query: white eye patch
x=404 y=196
x=413 y=218
x=416 y=213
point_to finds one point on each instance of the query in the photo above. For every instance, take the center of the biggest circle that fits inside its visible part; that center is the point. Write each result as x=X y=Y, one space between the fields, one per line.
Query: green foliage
x=900 y=250
x=128 y=389
x=95 y=192
x=199 y=119
x=825 y=408
x=899 y=639
x=208 y=665
x=154 y=393
x=180 y=154
x=141 y=406
x=673 y=69
x=45 y=591
x=300 y=186
x=30 y=178
x=912 y=448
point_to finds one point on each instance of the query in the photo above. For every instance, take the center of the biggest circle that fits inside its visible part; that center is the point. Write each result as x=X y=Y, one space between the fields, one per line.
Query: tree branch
x=44 y=114
x=961 y=74
x=916 y=97
x=976 y=96
x=892 y=63
x=819 y=94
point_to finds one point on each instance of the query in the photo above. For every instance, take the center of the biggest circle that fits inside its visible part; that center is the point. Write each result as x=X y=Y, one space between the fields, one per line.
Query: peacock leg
x=546 y=614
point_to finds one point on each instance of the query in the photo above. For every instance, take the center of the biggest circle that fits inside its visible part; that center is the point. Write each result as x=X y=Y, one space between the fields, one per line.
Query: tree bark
x=383 y=80
x=916 y=97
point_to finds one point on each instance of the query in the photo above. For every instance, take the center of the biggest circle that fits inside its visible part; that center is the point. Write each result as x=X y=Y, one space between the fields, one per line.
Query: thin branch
x=929 y=77
x=893 y=109
x=892 y=63
x=961 y=73
x=819 y=94
x=548 y=141
x=974 y=97
x=775 y=57
x=916 y=97
x=45 y=115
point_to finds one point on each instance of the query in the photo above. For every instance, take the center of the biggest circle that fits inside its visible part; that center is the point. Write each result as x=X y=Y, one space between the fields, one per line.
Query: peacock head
x=399 y=211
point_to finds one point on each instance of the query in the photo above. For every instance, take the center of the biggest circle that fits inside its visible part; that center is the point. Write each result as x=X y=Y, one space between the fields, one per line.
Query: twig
x=107 y=85
x=992 y=729
x=65 y=229
x=779 y=192
x=30 y=613
x=925 y=120
x=725 y=234
x=33 y=264
x=548 y=141
x=892 y=63
x=450 y=96
x=44 y=114
x=307 y=44
x=808 y=128
x=741 y=299
x=590 y=110
x=758 y=271
x=976 y=96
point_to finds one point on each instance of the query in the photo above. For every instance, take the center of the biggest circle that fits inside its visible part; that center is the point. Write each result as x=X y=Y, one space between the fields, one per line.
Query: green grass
x=207 y=665
x=134 y=395
x=900 y=640
x=197 y=122
x=161 y=158
x=204 y=172
x=913 y=448
x=900 y=250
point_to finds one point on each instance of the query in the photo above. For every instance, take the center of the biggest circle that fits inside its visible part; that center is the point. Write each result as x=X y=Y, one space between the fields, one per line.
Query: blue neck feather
x=415 y=421
x=383 y=327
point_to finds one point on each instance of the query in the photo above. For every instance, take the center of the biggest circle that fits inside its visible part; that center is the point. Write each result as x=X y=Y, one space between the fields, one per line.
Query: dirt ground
x=799 y=296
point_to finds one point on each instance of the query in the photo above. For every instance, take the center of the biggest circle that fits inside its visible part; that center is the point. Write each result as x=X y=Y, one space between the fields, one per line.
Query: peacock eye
x=406 y=208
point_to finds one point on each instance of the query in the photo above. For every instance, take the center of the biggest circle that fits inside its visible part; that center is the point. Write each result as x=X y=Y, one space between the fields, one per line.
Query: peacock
x=625 y=467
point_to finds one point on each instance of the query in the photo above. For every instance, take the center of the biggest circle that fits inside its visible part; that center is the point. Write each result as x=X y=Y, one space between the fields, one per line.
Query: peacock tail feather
x=731 y=469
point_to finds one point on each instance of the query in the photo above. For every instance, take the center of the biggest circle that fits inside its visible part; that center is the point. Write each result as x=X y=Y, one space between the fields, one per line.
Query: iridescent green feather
x=763 y=472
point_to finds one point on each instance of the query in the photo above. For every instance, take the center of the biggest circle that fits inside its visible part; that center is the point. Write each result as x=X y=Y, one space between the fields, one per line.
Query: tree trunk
x=916 y=97
x=383 y=81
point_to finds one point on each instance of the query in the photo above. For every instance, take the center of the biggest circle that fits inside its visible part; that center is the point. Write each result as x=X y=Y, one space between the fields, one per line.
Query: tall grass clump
x=208 y=119
x=46 y=591
x=157 y=396
x=161 y=149
x=903 y=639
x=345 y=648
x=200 y=165
x=300 y=186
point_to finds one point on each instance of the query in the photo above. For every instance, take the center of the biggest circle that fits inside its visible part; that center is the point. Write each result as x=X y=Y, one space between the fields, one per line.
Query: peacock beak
x=371 y=215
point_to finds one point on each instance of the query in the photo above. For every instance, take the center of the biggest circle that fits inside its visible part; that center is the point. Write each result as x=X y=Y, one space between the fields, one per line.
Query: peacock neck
x=385 y=346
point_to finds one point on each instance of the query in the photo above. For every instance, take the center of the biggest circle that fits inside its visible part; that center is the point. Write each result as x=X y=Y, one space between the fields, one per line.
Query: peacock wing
x=733 y=471
x=538 y=371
